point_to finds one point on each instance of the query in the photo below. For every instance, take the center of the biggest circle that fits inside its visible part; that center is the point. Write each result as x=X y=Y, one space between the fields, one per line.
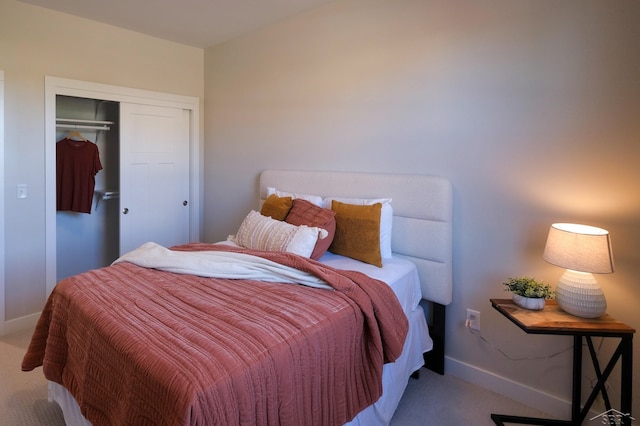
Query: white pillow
x=315 y=199
x=264 y=233
x=386 y=218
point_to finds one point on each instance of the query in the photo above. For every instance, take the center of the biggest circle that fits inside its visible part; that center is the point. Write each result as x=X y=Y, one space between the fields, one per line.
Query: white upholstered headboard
x=422 y=215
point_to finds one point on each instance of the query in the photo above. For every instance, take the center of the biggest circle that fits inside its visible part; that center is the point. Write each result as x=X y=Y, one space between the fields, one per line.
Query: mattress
x=401 y=275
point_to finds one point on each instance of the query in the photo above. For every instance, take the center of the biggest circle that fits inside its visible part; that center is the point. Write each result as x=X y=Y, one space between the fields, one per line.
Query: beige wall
x=530 y=108
x=35 y=42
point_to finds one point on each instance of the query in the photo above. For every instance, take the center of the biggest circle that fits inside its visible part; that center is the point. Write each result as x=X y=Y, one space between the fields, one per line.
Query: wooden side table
x=553 y=320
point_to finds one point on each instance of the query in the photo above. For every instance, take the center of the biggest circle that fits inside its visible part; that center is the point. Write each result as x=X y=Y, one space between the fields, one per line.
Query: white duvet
x=218 y=264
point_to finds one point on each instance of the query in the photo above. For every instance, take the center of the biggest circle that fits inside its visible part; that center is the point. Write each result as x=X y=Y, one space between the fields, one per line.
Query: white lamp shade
x=583 y=250
x=580 y=248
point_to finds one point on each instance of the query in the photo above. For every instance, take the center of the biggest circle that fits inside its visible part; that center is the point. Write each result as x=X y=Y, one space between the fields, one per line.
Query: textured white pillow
x=315 y=199
x=386 y=218
x=264 y=233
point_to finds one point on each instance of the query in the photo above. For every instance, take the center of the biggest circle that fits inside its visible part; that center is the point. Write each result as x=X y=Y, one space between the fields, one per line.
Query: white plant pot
x=533 y=303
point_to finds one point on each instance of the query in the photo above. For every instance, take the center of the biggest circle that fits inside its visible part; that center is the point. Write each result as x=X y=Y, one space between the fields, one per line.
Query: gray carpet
x=435 y=400
x=23 y=396
x=430 y=400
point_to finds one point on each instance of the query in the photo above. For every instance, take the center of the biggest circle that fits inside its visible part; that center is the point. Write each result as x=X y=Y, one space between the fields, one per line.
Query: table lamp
x=584 y=250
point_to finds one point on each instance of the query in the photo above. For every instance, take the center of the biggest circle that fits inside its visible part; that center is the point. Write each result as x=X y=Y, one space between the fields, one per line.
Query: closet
x=149 y=185
x=90 y=240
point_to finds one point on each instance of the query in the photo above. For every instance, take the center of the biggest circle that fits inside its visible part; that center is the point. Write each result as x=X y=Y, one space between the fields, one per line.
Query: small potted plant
x=528 y=292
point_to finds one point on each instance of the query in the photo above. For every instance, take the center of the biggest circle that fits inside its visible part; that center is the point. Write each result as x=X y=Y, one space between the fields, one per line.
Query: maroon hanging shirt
x=77 y=163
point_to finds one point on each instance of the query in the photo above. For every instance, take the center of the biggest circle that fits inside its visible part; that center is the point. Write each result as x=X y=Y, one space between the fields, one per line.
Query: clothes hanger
x=76 y=134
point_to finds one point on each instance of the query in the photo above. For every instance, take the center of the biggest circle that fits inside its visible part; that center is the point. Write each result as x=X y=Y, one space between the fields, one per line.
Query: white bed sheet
x=402 y=276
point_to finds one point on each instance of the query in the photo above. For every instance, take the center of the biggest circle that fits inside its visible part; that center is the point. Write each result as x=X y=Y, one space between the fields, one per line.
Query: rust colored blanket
x=139 y=346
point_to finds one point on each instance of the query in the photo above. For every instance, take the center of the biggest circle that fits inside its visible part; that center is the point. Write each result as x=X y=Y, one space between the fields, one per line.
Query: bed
x=362 y=377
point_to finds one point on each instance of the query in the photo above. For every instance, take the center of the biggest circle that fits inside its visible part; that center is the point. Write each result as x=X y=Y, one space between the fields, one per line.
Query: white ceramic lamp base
x=579 y=294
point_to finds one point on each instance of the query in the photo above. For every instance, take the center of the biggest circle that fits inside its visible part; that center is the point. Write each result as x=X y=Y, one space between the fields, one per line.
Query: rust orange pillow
x=276 y=207
x=357 y=232
x=304 y=212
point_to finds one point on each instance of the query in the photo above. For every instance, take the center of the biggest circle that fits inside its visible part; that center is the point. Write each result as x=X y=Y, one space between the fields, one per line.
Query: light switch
x=22 y=191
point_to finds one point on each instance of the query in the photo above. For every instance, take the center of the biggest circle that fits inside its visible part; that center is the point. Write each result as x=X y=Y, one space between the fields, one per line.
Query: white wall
x=530 y=108
x=37 y=42
x=2 y=244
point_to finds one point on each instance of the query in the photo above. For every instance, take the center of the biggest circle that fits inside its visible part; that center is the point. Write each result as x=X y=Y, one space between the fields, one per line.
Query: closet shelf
x=72 y=123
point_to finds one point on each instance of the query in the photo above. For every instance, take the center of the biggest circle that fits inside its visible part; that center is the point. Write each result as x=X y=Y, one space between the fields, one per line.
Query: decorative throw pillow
x=276 y=207
x=386 y=218
x=304 y=212
x=264 y=233
x=315 y=199
x=357 y=232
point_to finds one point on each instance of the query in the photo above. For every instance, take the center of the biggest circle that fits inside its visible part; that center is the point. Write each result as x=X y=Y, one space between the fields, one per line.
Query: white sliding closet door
x=154 y=175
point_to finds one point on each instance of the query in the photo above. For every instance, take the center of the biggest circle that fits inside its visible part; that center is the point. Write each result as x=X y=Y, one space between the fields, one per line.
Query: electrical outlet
x=473 y=319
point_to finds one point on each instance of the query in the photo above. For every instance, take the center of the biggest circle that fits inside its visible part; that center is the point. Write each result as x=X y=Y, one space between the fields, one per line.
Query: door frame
x=61 y=86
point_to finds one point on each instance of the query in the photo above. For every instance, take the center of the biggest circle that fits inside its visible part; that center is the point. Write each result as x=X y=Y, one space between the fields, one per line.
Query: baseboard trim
x=20 y=324
x=552 y=405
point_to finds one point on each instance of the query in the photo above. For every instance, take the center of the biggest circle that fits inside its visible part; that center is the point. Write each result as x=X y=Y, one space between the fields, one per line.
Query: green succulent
x=529 y=287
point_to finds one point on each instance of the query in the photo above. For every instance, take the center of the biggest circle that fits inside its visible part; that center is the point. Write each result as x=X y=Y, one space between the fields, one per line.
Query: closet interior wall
x=89 y=241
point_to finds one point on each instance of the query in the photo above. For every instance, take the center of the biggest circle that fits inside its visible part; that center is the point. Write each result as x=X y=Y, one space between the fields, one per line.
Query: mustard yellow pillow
x=276 y=207
x=357 y=232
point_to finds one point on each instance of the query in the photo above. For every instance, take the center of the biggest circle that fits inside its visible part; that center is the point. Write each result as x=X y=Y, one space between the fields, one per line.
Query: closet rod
x=75 y=120
x=82 y=127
